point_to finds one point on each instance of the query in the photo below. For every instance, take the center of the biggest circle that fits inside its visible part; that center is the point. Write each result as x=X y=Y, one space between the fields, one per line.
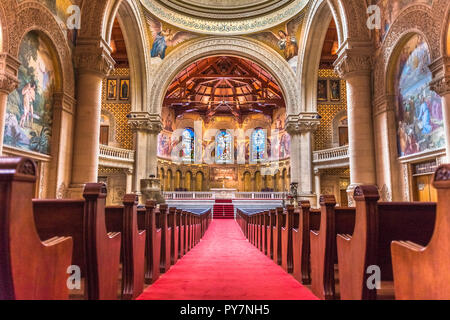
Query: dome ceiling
x=232 y=17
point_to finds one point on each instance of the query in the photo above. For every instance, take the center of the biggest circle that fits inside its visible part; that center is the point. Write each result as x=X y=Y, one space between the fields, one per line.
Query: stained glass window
x=188 y=145
x=224 y=148
x=258 y=142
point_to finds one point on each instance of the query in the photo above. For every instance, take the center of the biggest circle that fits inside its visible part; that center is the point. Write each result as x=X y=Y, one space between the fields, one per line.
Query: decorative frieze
x=353 y=62
x=8 y=73
x=305 y=122
x=441 y=76
x=93 y=56
x=143 y=121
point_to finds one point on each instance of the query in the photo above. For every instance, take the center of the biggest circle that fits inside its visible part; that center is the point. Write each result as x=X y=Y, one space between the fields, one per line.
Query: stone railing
x=187 y=195
x=116 y=157
x=339 y=153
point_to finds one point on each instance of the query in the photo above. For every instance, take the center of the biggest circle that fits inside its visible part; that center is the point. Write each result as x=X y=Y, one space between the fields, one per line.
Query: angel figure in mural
x=285 y=40
x=29 y=95
x=164 y=38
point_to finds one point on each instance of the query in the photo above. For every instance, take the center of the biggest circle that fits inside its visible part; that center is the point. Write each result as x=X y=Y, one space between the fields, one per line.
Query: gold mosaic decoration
x=123 y=133
x=328 y=111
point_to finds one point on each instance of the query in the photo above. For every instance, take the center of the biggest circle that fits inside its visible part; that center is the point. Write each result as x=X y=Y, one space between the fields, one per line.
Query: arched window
x=258 y=143
x=188 y=145
x=224 y=147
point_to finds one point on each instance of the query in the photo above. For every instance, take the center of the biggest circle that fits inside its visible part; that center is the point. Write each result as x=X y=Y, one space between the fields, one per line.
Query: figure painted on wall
x=29 y=110
x=284 y=39
x=419 y=110
x=285 y=146
x=164 y=38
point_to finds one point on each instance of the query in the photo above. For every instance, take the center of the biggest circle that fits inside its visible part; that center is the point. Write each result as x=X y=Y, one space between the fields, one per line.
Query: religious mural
x=29 y=110
x=285 y=39
x=390 y=10
x=60 y=8
x=165 y=38
x=258 y=143
x=224 y=147
x=419 y=110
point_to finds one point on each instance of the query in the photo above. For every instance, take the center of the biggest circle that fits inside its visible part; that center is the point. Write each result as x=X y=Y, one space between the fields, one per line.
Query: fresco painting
x=284 y=39
x=29 y=110
x=419 y=110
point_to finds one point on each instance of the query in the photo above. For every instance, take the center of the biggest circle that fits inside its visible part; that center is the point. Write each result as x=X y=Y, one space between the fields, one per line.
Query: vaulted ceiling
x=330 y=47
x=118 y=47
x=224 y=85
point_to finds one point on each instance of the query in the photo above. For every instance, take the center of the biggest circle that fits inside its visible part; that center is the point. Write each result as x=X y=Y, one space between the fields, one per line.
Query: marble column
x=129 y=181
x=146 y=128
x=385 y=138
x=8 y=83
x=354 y=65
x=93 y=63
x=301 y=129
x=317 y=185
x=441 y=85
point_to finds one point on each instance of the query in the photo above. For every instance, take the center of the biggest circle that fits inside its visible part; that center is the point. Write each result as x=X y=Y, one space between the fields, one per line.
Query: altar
x=223 y=193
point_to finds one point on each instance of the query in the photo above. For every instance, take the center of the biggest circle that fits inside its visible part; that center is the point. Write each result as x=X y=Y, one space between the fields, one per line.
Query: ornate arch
x=319 y=17
x=399 y=32
x=8 y=10
x=197 y=49
x=35 y=17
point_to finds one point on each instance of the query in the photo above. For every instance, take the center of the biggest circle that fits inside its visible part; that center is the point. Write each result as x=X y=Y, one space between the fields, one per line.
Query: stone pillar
x=301 y=129
x=385 y=138
x=93 y=63
x=8 y=83
x=441 y=85
x=354 y=65
x=317 y=185
x=129 y=181
x=146 y=128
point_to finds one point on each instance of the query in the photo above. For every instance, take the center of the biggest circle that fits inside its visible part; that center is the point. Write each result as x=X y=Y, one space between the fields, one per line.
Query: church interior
x=141 y=141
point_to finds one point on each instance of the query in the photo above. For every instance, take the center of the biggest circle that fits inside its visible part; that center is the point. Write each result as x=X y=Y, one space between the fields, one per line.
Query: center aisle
x=225 y=266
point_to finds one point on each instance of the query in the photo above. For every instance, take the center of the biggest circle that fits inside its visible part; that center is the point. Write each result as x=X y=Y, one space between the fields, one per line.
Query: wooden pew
x=153 y=242
x=172 y=220
x=166 y=236
x=286 y=239
x=323 y=245
x=187 y=228
x=422 y=272
x=124 y=219
x=181 y=235
x=276 y=235
x=264 y=223
x=270 y=226
x=305 y=220
x=96 y=251
x=29 y=269
x=377 y=224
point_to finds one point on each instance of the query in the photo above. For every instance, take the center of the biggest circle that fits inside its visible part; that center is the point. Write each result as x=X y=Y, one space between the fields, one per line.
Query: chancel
x=304 y=144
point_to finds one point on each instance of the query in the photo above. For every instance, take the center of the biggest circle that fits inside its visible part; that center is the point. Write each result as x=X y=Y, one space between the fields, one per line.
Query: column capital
x=94 y=56
x=9 y=67
x=354 y=58
x=440 y=70
x=144 y=121
x=303 y=123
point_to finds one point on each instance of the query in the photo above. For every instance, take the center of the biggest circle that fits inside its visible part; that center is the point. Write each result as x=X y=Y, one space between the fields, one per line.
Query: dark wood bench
x=421 y=271
x=377 y=224
x=270 y=233
x=96 y=251
x=166 y=236
x=333 y=220
x=264 y=223
x=276 y=235
x=286 y=239
x=153 y=242
x=30 y=269
x=172 y=221
x=305 y=220
x=181 y=235
x=124 y=219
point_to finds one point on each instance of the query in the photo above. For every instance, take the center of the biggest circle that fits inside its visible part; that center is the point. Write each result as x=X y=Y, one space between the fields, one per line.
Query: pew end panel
x=429 y=263
x=30 y=269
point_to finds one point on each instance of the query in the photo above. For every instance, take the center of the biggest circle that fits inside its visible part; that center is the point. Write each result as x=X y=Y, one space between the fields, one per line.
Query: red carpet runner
x=225 y=266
